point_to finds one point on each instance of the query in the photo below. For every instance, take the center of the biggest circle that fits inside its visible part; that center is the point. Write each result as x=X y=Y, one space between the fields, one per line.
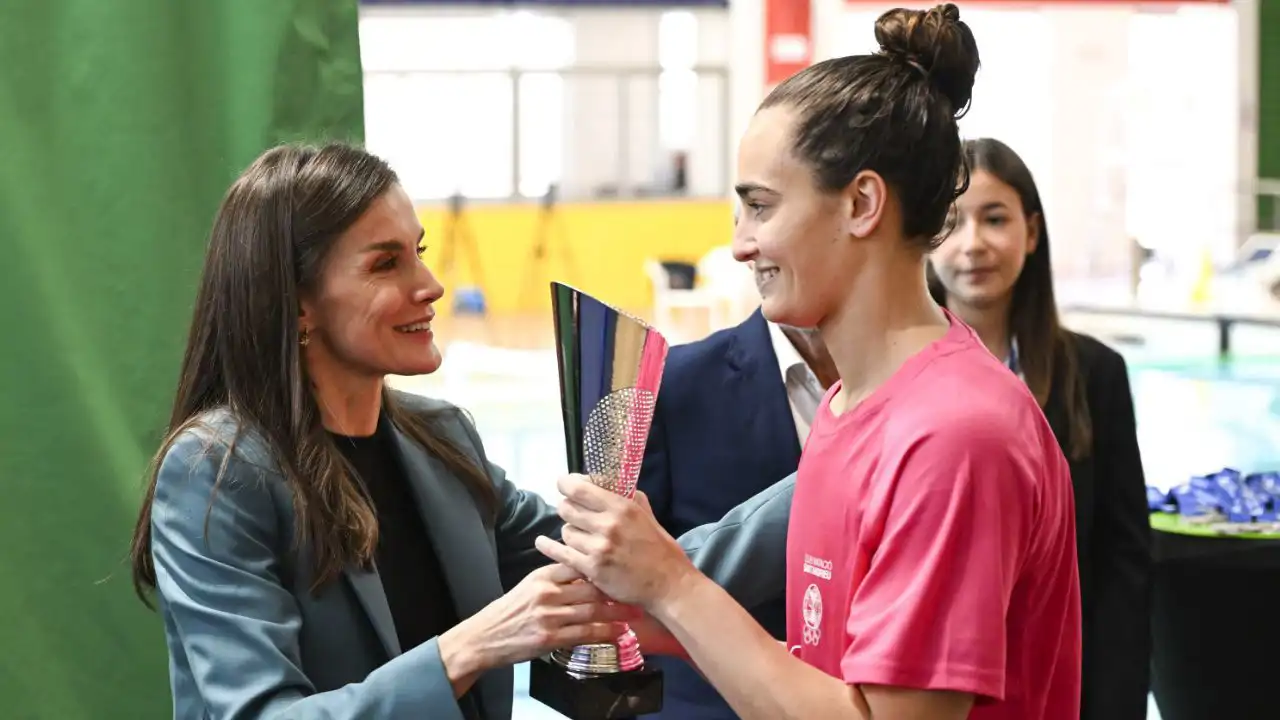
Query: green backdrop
x=121 y=124
x=1268 y=105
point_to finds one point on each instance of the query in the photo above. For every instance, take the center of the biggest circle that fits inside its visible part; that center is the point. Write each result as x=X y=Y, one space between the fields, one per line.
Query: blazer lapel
x=367 y=586
x=369 y=592
x=767 y=411
x=458 y=533
x=468 y=556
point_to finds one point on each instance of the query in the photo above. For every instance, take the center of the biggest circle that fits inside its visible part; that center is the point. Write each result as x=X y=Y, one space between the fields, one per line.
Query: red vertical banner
x=788 y=39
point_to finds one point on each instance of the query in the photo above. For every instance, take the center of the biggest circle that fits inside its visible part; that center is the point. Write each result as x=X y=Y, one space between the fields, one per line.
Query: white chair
x=669 y=302
x=724 y=292
x=730 y=285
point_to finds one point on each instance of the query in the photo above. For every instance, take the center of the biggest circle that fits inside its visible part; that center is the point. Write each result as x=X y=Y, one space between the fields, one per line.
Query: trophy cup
x=610 y=369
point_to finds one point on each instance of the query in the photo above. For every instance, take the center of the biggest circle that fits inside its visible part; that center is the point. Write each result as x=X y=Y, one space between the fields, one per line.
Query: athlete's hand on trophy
x=616 y=543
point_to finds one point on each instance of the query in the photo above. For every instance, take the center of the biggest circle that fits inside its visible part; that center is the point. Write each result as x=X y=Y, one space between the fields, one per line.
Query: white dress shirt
x=804 y=392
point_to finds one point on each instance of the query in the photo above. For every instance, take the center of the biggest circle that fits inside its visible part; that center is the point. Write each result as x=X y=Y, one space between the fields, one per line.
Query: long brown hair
x=272 y=234
x=1046 y=351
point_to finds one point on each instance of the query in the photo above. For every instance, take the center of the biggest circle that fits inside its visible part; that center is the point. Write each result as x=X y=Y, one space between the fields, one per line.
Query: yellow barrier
x=599 y=248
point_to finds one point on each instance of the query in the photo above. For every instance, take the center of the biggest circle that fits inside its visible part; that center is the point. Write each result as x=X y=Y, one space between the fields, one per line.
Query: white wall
x=746 y=83
x=615 y=119
x=1248 y=81
x=1129 y=116
x=440 y=104
x=1185 y=110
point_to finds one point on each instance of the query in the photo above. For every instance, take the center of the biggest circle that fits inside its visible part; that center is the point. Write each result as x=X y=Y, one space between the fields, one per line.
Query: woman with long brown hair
x=994 y=271
x=321 y=546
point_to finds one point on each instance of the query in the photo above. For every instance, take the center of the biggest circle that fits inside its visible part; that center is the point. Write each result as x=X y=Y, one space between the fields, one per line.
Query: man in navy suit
x=732 y=415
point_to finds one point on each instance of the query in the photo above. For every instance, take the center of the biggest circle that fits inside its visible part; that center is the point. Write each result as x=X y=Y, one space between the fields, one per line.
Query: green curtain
x=1269 y=106
x=121 y=124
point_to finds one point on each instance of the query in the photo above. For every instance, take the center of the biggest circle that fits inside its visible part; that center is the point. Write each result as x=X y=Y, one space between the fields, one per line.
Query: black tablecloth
x=1215 y=628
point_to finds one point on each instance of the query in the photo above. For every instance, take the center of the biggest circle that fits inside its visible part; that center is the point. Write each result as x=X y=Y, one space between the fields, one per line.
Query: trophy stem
x=601 y=658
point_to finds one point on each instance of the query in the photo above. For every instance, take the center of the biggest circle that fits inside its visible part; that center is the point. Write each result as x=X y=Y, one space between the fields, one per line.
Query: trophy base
x=610 y=696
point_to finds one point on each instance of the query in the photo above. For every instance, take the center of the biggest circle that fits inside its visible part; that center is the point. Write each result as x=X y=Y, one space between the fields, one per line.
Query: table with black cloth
x=1215 y=617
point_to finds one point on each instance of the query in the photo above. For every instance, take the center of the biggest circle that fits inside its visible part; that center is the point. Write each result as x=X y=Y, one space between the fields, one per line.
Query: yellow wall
x=599 y=248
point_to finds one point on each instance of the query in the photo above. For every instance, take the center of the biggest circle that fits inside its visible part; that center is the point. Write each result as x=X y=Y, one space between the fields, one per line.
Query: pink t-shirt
x=932 y=540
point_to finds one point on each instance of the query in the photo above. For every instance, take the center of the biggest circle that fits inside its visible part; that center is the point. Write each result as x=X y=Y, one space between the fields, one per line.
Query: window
x=542 y=131
x=440 y=93
x=444 y=133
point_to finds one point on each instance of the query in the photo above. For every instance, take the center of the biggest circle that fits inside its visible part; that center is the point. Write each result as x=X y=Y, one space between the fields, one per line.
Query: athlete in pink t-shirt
x=931 y=550
x=931 y=543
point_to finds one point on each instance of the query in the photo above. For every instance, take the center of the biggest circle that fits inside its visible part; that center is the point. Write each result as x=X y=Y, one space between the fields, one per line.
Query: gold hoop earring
x=305 y=338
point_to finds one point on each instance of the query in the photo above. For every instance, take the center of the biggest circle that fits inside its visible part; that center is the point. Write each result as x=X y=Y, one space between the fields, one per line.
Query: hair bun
x=936 y=43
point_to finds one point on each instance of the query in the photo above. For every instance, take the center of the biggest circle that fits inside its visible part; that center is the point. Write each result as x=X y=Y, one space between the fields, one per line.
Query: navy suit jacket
x=722 y=432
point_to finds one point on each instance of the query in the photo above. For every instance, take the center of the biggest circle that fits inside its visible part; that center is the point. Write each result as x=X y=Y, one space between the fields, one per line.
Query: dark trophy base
x=616 y=696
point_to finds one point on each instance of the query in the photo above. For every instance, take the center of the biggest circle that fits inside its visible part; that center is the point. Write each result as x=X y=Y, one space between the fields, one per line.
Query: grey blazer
x=247 y=638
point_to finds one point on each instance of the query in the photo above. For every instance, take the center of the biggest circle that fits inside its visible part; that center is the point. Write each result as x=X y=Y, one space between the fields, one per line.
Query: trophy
x=610 y=369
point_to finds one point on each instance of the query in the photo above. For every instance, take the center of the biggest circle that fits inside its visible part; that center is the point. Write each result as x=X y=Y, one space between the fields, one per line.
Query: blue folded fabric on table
x=1227 y=494
x=1158 y=500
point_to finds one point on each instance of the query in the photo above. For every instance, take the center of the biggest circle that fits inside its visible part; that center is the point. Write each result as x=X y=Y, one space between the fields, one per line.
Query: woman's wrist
x=462 y=659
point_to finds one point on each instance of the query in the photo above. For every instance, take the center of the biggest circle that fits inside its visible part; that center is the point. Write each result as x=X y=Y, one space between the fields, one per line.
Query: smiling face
x=370 y=315
x=982 y=258
x=795 y=236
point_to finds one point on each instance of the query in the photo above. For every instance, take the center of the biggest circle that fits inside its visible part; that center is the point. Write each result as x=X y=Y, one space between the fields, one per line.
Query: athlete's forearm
x=655 y=639
x=753 y=672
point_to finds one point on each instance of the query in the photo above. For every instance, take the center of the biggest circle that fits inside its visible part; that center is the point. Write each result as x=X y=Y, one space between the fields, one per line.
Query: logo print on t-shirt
x=812 y=613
